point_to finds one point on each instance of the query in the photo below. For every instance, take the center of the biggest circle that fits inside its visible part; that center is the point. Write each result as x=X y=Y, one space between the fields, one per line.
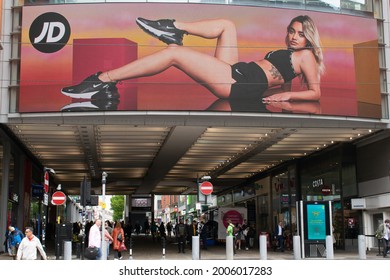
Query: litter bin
x=64 y=232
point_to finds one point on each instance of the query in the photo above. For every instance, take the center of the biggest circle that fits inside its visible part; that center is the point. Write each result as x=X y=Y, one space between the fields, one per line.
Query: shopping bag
x=122 y=247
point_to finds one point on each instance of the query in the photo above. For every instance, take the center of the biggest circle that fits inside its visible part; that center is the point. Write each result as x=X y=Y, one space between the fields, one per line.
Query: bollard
x=58 y=249
x=103 y=250
x=163 y=241
x=67 y=250
x=195 y=247
x=130 y=248
x=297 y=247
x=362 y=247
x=229 y=247
x=263 y=247
x=329 y=247
x=78 y=250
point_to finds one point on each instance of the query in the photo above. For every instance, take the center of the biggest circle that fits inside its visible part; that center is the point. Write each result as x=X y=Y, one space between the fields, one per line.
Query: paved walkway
x=145 y=249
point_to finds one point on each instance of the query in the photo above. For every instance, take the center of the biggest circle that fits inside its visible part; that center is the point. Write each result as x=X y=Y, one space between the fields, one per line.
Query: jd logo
x=49 y=32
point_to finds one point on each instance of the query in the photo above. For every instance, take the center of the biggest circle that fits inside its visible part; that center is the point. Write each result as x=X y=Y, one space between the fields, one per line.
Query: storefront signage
x=358 y=203
x=318 y=183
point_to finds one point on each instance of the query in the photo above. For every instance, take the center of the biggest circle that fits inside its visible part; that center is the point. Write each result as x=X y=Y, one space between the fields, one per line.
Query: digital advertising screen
x=316 y=222
x=206 y=57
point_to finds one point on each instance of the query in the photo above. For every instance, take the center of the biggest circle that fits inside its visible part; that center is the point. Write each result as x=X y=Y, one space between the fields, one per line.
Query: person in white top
x=386 y=237
x=95 y=238
x=28 y=247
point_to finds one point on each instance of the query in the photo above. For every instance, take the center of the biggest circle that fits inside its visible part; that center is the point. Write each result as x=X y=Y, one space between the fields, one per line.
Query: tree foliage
x=117 y=206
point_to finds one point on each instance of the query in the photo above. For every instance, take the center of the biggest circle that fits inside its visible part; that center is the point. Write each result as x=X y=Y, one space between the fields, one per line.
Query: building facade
x=340 y=173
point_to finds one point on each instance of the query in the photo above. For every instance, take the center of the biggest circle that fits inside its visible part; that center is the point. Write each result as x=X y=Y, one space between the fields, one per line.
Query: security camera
x=59 y=187
x=51 y=170
x=206 y=178
x=104 y=174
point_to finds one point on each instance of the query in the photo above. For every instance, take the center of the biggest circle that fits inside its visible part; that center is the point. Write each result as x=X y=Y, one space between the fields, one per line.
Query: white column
x=329 y=247
x=297 y=247
x=229 y=247
x=195 y=247
x=362 y=247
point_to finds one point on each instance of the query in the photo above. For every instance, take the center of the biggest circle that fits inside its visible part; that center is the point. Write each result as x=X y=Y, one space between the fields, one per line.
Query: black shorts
x=251 y=81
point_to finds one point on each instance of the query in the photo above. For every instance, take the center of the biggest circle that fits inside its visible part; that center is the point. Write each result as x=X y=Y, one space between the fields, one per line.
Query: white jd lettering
x=48 y=28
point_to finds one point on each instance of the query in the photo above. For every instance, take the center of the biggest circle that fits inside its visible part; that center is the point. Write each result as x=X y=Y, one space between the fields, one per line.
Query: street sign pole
x=104 y=245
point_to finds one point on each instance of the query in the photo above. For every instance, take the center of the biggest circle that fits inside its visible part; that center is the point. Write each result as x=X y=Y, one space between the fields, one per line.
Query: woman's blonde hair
x=313 y=39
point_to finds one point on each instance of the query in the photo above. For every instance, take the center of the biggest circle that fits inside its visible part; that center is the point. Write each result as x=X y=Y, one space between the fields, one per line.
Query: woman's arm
x=311 y=107
x=309 y=69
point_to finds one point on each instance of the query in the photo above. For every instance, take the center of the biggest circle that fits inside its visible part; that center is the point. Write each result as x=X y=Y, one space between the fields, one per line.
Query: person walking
x=383 y=233
x=94 y=237
x=181 y=234
x=279 y=236
x=118 y=236
x=238 y=236
x=15 y=237
x=203 y=231
x=28 y=247
x=107 y=237
x=230 y=232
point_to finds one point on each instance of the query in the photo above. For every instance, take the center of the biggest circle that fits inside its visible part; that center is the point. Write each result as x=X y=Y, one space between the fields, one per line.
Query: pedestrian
x=107 y=237
x=161 y=229
x=238 y=234
x=181 y=234
x=169 y=229
x=95 y=238
x=245 y=229
x=383 y=233
x=15 y=237
x=118 y=236
x=203 y=231
x=230 y=232
x=279 y=236
x=28 y=247
x=153 y=230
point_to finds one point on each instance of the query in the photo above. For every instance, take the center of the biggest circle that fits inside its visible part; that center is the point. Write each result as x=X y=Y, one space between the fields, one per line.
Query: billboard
x=62 y=45
x=237 y=215
x=316 y=222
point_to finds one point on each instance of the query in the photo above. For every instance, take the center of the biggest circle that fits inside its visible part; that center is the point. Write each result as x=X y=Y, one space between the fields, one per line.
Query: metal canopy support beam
x=180 y=139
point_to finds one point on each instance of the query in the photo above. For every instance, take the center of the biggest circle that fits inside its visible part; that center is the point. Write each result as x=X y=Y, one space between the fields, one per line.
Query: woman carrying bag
x=119 y=239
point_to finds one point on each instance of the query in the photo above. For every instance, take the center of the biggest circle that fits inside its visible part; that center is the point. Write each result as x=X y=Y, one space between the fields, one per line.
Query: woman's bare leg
x=210 y=71
x=221 y=29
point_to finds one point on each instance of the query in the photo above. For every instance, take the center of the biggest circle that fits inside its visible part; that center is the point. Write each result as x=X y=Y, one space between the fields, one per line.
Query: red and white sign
x=58 y=198
x=46 y=183
x=206 y=188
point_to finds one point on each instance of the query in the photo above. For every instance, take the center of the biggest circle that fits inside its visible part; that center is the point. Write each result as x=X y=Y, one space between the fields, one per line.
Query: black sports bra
x=281 y=59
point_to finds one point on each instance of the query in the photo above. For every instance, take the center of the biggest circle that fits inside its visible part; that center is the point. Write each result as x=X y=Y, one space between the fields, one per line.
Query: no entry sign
x=58 y=198
x=206 y=188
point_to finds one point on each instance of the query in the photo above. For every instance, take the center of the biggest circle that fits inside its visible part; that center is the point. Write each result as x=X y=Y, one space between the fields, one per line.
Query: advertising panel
x=320 y=63
x=316 y=222
x=237 y=215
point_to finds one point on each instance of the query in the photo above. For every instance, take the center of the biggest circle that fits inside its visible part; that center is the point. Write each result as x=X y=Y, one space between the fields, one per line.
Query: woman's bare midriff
x=267 y=66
